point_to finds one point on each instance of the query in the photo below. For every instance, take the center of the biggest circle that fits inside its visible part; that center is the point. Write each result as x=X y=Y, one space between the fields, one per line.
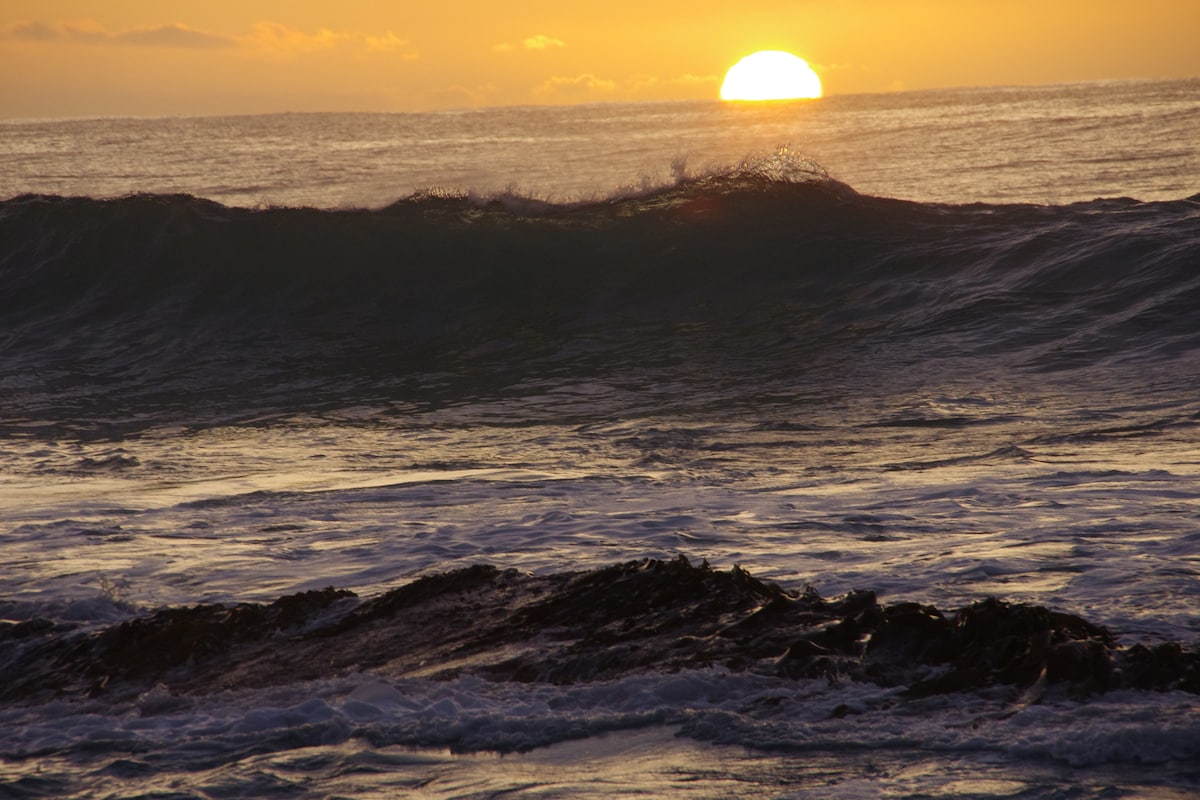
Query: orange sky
x=150 y=57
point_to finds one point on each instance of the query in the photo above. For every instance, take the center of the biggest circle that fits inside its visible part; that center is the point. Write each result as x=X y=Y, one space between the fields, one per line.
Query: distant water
x=942 y=346
x=1054 y=144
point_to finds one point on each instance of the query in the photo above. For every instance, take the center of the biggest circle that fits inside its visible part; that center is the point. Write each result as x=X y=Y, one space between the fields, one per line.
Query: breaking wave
x=758 y=277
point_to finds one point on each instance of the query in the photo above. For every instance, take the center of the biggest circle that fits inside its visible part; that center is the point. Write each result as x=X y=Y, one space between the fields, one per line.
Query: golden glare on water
x=770 y=75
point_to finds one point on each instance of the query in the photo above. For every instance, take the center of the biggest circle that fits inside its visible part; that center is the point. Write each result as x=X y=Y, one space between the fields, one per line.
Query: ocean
x=826 y=449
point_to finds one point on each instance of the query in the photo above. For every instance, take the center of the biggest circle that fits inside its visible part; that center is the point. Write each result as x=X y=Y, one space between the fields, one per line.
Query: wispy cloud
x=265 y=38
x=589 y=86
x=539 y=42
x=579 y=85
x=641 y=83
x=274 y=38
x=388 y=43
x=542 y=42
x=459 y=96
x=172 y=35
x=31 y=32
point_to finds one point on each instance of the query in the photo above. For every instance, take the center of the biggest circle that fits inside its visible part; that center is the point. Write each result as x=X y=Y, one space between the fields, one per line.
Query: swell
x=158 y=301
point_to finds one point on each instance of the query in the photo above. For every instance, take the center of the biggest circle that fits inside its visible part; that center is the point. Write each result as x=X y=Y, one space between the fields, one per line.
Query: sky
x=63 y=58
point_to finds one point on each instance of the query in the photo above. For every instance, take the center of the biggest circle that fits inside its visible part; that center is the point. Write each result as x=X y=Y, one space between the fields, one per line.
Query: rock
x=576 y=627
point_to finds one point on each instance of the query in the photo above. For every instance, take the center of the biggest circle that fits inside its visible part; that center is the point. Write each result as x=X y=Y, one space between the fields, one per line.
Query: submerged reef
x=576 y=627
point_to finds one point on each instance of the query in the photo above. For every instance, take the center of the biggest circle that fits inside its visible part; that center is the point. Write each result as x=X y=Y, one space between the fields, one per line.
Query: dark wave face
x=174 y=308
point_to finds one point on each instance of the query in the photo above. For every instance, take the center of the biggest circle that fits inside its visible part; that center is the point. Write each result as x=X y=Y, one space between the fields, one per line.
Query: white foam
x=1112 y=539
x=742 y=709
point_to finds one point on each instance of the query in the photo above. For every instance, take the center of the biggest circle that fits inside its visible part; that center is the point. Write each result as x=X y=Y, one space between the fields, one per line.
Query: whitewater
x=834 y=449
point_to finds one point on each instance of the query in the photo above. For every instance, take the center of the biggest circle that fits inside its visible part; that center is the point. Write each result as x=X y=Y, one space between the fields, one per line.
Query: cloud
x=30 y=31
x=459 y=96
x=641 y=83
x=388 y=43
x=173 y=36
x=580 y=85
x=88 y=32
x=275 y=38
x=538 y=42
x=266 y=38
x=588 y=86
x=542 y=42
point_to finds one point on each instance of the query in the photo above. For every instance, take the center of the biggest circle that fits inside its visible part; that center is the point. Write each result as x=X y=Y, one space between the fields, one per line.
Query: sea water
x=1052 y=144
x=937 y=345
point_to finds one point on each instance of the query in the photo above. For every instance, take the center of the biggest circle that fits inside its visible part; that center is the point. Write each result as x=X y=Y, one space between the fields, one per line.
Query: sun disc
x=770 y=75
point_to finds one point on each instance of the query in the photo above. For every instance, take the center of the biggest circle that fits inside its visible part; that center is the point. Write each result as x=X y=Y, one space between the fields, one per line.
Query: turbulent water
x=890 y=370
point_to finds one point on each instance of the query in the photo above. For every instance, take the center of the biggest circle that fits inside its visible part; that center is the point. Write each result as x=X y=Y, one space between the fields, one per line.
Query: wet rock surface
x=577 y=627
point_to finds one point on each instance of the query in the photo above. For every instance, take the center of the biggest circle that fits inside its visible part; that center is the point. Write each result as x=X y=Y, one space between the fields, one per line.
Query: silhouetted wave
x=174 y=307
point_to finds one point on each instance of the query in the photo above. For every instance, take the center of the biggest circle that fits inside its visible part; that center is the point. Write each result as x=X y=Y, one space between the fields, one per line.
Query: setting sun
x=770 y=75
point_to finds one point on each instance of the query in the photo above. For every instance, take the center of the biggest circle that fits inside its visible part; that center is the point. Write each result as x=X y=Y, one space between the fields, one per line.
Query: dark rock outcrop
x=586 y=626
